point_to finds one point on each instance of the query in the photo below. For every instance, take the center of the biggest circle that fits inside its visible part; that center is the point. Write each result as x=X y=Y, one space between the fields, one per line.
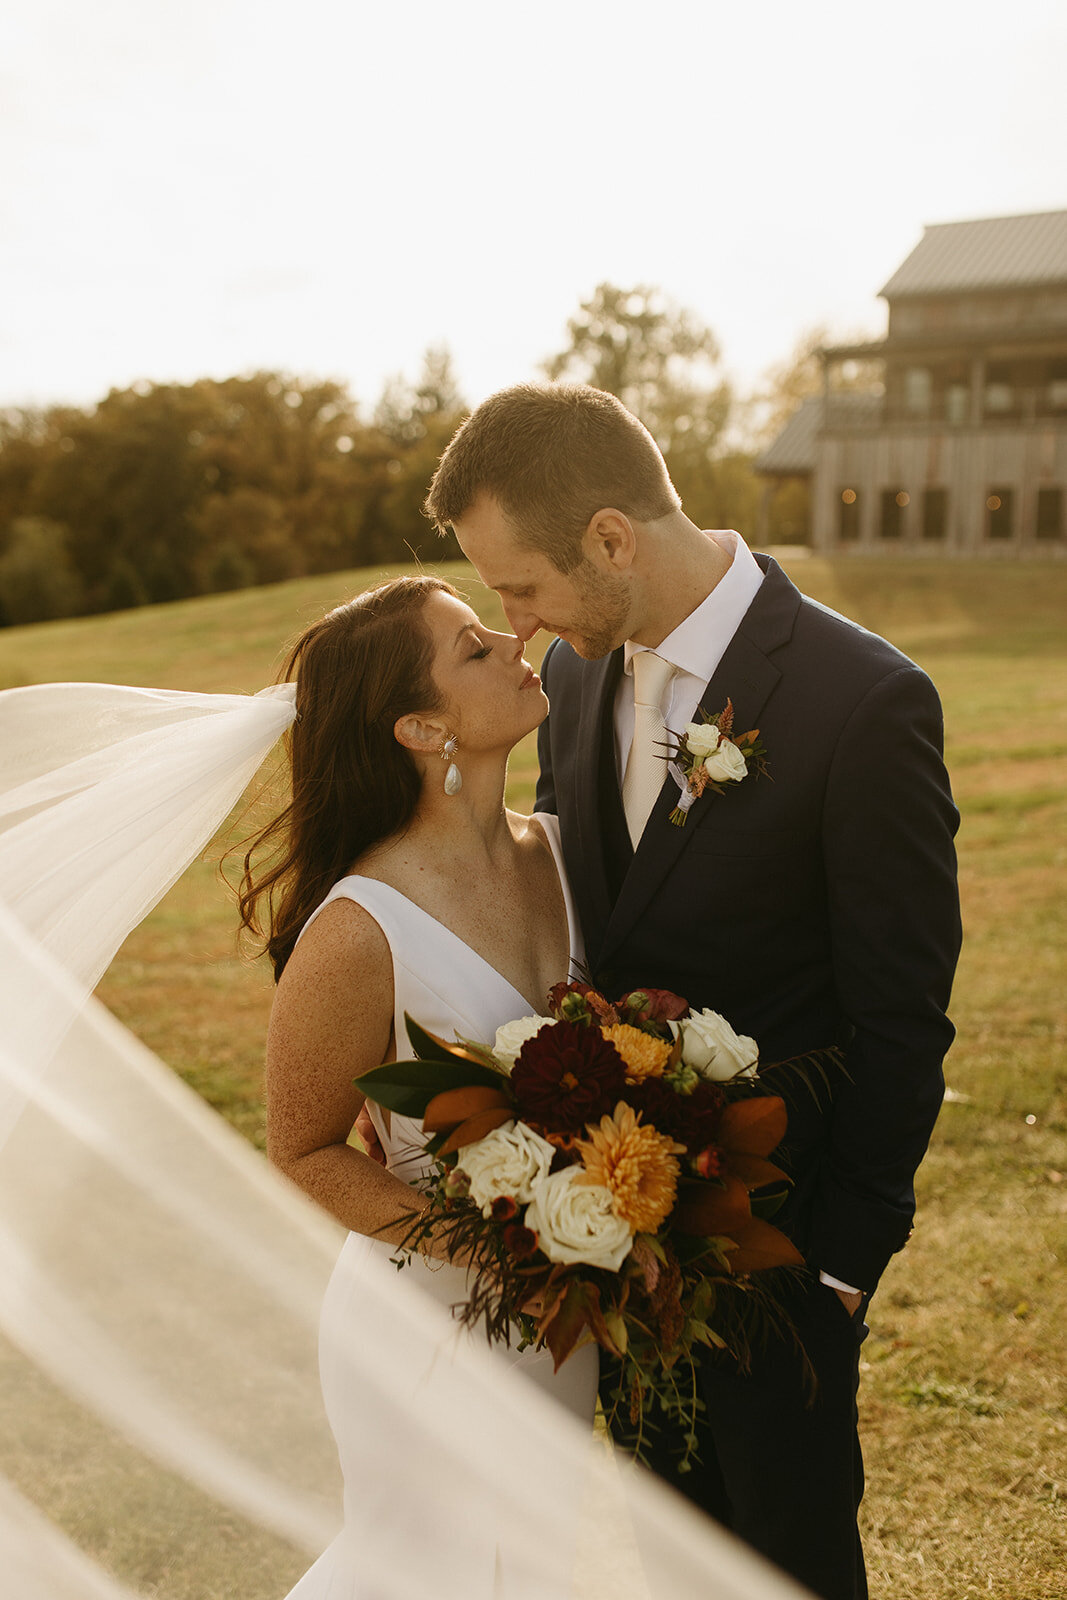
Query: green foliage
x=164 y=491
x=37 y=576
x=663 y=364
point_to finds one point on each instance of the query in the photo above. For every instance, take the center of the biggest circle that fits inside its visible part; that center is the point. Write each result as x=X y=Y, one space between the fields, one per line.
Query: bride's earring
x=453 y=777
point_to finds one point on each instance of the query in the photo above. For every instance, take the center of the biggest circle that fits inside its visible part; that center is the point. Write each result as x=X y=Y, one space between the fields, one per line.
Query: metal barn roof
x=794 y=448
x=792 y=453
x=995 y=253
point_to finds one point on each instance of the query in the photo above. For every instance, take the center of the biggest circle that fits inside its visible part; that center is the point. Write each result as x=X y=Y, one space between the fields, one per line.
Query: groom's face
x=587 y=607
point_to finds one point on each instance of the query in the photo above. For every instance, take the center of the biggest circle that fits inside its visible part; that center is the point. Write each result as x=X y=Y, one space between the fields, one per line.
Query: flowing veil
x=160 y=1284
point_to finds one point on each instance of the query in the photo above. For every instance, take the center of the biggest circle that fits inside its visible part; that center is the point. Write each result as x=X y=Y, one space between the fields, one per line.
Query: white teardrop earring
x=453 y=777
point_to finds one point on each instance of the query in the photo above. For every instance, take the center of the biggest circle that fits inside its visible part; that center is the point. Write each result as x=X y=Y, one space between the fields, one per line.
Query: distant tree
x=126 y=480
x=293 y=442
x=37 y=577
x=414 y=423
x=165 y=490
x=244 y=539
x=663 y=364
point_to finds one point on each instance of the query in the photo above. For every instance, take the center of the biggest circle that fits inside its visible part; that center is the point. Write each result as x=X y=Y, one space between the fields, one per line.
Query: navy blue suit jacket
x=814 y=906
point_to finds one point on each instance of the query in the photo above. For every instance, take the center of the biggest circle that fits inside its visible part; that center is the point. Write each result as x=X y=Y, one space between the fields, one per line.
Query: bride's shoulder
x=339 y=937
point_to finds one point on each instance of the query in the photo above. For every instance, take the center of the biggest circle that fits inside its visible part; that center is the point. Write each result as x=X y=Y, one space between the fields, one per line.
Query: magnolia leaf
x=768 y=1205
x=754 y=1171
x=407 y=1087
x=707 y=1208
x=475 y=1128
x=760 y=1245
x=452 y=1106
x=428 y=1047
x=570 y=1321
x=754 y=1127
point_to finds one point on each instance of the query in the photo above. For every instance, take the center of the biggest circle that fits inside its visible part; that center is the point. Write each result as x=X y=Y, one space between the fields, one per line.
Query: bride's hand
x=369 y=1136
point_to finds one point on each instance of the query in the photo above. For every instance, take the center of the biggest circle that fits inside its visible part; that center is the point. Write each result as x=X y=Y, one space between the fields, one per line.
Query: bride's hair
x=357 y=670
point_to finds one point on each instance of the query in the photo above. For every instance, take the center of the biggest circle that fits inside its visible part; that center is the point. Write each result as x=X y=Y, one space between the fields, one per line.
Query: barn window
x=1049 y=514
x=935 y=513
x=891 y=521
x=848 y=517
x=1000 y=514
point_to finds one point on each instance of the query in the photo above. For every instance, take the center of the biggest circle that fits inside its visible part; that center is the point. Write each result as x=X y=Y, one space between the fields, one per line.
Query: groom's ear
x=610 y=536
x=422 y=735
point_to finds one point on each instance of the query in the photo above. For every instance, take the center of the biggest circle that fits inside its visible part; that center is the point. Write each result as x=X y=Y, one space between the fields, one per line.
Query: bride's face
x=492 y=696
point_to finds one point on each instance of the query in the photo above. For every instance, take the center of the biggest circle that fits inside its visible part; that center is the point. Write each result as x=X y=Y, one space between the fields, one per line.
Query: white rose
x=702 y=738
x=512 y=1160
x=711 y=1047
x=574 y=1221
x=513 y=1035
x=726 y=764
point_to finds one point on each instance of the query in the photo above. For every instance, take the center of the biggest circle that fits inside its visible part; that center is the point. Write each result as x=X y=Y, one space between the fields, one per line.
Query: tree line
x=162 y=491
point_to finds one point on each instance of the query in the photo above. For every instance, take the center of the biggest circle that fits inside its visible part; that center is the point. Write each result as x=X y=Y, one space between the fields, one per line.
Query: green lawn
x=965 y=1431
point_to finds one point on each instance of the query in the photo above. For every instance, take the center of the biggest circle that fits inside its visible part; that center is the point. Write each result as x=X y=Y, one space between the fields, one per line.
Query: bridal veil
x=160 y=1285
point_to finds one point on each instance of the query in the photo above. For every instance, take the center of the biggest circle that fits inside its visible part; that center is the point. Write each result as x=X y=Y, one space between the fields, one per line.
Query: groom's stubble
x=603 y=612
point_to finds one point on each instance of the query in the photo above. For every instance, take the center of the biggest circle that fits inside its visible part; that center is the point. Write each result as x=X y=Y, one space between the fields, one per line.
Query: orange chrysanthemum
x=643 y=1055
x=636 y=1164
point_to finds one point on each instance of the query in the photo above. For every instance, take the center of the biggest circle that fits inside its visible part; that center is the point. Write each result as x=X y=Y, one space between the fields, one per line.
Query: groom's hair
x=551 y=456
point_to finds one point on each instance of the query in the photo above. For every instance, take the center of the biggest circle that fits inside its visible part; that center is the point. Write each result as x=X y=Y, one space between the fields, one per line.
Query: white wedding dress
x=454 y=992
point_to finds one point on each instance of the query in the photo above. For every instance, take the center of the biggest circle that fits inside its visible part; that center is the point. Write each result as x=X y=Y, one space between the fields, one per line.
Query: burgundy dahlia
x=566 y=1076
x=692 y=1119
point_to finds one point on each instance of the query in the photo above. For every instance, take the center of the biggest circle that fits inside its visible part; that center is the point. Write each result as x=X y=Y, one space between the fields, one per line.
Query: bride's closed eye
x=480 y=655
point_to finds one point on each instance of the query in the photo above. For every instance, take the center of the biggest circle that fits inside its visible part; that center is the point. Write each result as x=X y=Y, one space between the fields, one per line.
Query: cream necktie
x=646 y=766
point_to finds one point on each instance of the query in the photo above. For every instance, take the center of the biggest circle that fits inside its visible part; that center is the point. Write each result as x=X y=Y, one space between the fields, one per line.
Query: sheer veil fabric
x=160 y=1285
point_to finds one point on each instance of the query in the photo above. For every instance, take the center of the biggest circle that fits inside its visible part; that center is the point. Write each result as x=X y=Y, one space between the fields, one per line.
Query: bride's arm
x=332 y=1021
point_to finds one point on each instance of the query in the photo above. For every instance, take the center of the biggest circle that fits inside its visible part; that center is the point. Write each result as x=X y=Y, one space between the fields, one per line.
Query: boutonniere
x=709 y=756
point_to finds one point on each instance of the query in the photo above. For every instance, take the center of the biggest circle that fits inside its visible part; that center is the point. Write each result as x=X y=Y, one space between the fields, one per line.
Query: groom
x=812 y=905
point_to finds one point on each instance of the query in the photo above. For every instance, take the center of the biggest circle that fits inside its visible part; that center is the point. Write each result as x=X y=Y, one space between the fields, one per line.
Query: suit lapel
x=746 y=676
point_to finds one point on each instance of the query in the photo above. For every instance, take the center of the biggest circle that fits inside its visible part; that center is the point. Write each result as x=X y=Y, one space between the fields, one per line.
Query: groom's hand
x=369 y=1137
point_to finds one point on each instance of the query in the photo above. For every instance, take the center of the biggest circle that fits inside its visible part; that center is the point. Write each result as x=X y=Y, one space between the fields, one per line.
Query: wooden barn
x=964 y=452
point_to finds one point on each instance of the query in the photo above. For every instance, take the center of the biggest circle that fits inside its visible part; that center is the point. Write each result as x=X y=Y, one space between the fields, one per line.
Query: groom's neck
x=677 y=567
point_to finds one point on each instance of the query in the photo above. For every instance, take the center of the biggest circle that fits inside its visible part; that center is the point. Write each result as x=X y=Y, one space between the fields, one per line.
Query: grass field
x=962 y=1402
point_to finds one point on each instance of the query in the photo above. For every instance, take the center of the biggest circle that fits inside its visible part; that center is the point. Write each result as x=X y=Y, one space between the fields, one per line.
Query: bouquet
x=593 y=1169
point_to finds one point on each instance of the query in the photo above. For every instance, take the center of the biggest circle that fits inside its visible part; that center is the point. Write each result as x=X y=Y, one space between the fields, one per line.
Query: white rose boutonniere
x=574 y=1221
x=708 y=757
x=511 y=1161
x=711 y=1047
x=701 y=739
x=726 y=764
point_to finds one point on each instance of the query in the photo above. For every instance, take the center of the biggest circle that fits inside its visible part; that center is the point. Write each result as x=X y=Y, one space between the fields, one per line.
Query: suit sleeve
x=545 y=798
x=888 y=830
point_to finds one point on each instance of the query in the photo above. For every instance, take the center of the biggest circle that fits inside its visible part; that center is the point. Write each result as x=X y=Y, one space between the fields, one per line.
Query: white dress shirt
x=695 y=648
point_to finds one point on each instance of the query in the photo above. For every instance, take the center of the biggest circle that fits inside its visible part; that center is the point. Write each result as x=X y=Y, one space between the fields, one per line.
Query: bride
x=399 y=883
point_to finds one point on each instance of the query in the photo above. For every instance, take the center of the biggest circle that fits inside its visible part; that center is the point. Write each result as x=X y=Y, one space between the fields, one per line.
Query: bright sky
x=329 y=186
